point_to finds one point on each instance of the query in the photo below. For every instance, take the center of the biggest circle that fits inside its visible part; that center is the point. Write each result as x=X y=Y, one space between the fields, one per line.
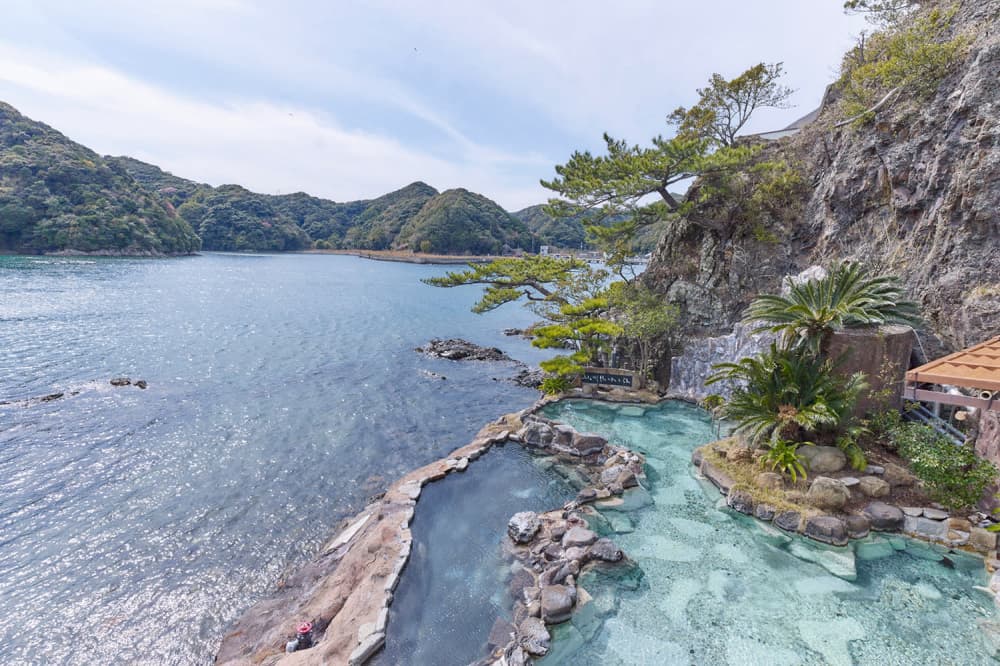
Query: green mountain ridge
x=57 y=195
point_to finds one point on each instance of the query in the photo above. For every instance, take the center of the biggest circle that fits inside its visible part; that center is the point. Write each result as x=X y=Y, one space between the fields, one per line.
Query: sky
x=352 y=99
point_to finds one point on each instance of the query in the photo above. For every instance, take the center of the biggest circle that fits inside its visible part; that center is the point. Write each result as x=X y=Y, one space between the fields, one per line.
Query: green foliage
x=911 y=59
x=58 y=195
x=725 y=106
x=882 y=12
x=783 y=458
x=849 y=442
x=787 y=394
x=953 y=474
x=846 y=298
x=647 y=318
x=379 y=224
x=556 y=385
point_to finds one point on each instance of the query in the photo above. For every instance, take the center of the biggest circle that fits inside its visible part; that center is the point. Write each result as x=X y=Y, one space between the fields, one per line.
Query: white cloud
x=265 y=146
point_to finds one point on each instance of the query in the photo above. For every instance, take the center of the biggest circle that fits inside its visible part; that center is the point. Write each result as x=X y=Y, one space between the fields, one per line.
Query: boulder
x=872 y=486
x=522 y=527
x=587 y=443
x=537 y=434
x=606 y=551
x=611 y=474
x=926 y=528
x=858 y=527
x=121 y=381
x=935 y=514
x=884 y=517
x=897 y=475
x=788 y=520
x=827 y=529
x=721 y=479
x=770 y=480
x=578 y=536
x=533 y=636
x=827 y=493
x=740 y=500
x=557 y=603
x=822 y=459
x=763 y=512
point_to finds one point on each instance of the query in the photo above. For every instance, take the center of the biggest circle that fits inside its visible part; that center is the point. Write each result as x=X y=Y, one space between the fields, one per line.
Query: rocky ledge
x=345 y=592
x=455 y=349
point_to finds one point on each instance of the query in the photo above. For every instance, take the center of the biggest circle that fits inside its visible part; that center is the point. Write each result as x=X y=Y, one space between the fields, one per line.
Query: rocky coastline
x=456 y=349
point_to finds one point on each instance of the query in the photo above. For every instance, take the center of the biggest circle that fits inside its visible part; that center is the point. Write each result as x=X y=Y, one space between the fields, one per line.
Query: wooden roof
x=977 y=367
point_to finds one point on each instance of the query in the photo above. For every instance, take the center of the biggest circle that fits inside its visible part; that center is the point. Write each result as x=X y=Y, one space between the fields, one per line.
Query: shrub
x=556 y=385
x=783 y=457
x=953 y=474
x=914 y=58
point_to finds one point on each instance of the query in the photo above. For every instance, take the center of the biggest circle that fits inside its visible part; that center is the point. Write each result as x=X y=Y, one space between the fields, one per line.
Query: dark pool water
x=455 y=584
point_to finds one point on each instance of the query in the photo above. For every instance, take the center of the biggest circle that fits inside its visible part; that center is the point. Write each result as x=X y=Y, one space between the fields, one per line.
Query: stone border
x=921 y=523
x=347 y=589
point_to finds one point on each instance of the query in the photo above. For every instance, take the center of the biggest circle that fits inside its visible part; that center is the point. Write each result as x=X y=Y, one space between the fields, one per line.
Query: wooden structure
x=976 y=369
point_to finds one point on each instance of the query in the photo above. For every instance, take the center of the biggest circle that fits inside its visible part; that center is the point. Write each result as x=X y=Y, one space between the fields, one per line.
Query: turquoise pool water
x=715 y=587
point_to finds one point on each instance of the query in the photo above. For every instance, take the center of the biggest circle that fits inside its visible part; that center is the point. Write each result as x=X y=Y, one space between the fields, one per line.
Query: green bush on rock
x=953 y=474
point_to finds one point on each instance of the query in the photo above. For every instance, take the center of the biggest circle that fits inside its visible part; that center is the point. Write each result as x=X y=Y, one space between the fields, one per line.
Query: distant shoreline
x=408 y=257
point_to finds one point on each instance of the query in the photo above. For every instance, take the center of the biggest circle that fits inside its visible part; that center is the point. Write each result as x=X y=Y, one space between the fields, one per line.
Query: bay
x=283 y=390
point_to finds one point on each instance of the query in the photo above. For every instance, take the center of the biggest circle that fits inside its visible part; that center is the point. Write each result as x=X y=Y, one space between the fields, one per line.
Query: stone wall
x=690 y=369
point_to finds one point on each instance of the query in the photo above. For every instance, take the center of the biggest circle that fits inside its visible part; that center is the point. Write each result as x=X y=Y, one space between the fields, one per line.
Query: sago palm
x=846 y=298
x=786 y=394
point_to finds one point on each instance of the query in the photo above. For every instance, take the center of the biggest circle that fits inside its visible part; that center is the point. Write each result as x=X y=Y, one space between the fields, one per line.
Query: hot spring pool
x=710 y=586
x=717 y=587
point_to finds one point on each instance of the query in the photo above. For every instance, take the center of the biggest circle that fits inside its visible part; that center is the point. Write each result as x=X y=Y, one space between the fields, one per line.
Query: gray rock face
x=557 y=603
x=884 y=517
x=610 y=475
x=872 y=486
x=828 y=529
x=935 y=530
x=522 y=527
x=929 y=166
x=822 y=459
x=534 y=637
x=578 y=536
x=500 y=634
x=827 y=493
x=606 y=551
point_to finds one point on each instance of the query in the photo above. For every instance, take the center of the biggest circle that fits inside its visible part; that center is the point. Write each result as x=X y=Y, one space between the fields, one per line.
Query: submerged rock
x=606 y=551
x=557 y=603
x=578 y=536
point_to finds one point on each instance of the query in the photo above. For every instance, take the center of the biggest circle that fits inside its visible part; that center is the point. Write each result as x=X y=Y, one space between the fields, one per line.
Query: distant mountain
x=230 y=217
x=56 y=195
x=459 y=221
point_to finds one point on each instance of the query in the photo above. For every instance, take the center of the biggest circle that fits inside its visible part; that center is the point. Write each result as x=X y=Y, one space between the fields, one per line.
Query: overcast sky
x=349 y=100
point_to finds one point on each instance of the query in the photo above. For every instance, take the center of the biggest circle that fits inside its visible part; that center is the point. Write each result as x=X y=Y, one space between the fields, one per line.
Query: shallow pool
x=715 y=587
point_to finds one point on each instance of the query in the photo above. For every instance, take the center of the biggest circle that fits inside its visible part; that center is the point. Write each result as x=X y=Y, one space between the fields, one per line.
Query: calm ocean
x=135 y=525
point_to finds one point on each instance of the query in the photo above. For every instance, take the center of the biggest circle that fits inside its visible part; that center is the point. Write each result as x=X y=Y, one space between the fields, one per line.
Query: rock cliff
x=914 y=192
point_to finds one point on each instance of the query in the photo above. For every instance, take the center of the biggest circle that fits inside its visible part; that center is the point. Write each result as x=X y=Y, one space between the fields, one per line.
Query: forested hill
x=569 y=232
x=59 y=196
x=56 y=195
x=416 y=217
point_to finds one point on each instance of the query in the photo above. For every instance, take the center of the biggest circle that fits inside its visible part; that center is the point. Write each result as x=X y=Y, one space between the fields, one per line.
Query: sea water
x=283 y=391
